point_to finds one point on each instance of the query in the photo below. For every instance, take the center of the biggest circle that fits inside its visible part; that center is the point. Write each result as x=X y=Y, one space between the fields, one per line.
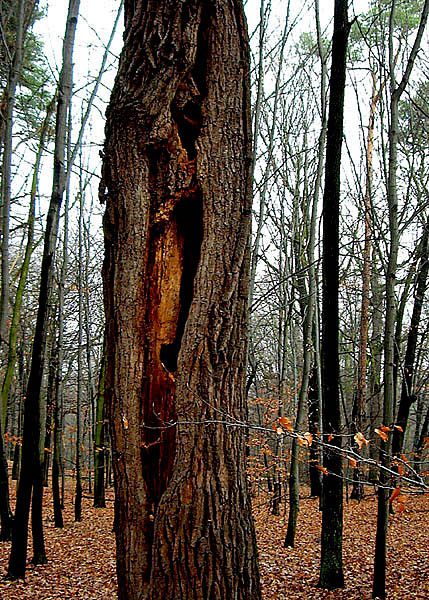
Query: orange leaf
x=308 y=436
x=399 y=428
x=125 y=421
x=396 y=492
x=401 y=507
x=404 y=458
x=400 y=469
x=301 y=440
x=353 y=463
x=384 y=428
x=383 y=435
x=360 y=440
x=330 y=437
x=286 y=423
x=323 y=469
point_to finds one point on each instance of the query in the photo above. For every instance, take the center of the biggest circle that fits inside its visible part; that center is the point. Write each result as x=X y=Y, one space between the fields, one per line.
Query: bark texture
x=176 y=181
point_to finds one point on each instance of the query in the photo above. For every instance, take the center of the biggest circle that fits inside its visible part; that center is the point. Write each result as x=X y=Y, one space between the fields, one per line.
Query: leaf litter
x=82 y=562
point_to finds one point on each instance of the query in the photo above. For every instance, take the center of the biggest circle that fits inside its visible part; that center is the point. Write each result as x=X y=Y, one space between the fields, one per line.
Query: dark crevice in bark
x=199 y=70
x=188 y=125
x=189 y=217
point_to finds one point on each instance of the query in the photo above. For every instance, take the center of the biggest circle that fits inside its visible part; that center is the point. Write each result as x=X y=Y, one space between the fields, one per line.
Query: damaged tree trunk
x=177 y=187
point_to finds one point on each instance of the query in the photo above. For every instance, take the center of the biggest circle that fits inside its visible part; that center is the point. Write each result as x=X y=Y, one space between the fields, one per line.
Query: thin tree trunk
x=14 y=74
x=407 y=397
x=99 y=438
x=375 y=407
x=78 y=491
x=422 y=442
x=16 y=315
x=379 y=581
x=314 y=394
x=56 y=459
x=31 y=466
x=314 y=429
x=5 y=512
x=359 y=406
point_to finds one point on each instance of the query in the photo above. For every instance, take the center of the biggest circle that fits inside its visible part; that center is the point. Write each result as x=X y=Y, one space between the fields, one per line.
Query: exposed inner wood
x=174 y=242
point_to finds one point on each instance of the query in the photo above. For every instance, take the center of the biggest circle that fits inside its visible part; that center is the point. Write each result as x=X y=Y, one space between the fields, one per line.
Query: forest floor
x=82 y=564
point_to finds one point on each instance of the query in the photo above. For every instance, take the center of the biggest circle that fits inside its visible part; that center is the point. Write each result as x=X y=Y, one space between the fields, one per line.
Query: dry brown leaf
x=360 y=440
x=382 y=434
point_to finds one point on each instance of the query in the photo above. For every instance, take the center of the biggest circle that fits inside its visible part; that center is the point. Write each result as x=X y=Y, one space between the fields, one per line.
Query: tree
x=396 y=91
x=331 y=567
x=176 y=182
x=30 y=479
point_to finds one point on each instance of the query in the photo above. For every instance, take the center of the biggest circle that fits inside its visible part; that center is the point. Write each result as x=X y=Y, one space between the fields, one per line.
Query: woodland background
x=291 y=53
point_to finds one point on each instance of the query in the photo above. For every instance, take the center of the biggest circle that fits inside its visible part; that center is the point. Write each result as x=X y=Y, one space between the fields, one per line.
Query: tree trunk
x=331 y=567
x=5 y=512
x=31 y=464
x=78 y=490
x=421 y=442
x=375 y=385
x=99 y=441
x=314 y=429
x=13 y=76
x=56 y=459
x=379 y=580
x=359 y=406
x=407 y=397
x=176 y=180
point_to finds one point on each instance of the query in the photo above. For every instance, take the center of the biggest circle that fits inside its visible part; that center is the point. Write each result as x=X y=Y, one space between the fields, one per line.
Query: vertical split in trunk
x=175 y=234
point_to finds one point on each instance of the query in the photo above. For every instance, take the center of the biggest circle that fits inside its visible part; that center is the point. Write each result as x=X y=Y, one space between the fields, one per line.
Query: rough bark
x=177 y=188
x=331 y=566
